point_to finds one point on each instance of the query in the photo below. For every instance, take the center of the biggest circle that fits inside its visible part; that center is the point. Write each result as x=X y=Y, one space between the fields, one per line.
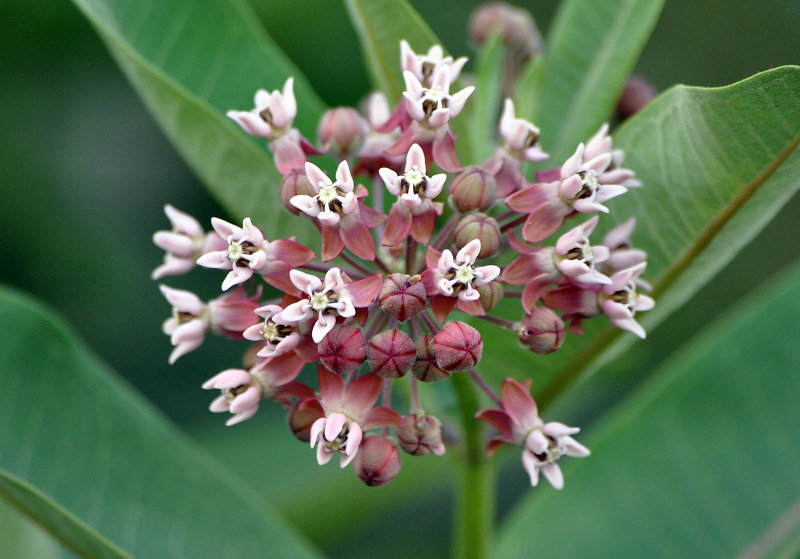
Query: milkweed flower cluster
x=379 y=295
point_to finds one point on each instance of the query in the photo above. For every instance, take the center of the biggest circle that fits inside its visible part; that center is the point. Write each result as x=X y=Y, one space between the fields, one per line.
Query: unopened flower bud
x=473 y=189
x=295 y=183
x=491 y=294
x=402 y=296
x=343 y=350
x=479 y=226
x=391 y=354
x=377 y=461
x=515 y=26
x=302 y=416
x=343 y=129
x=637 y=93
x=420 y=435
x=457 y=347
x=425 y=368
x=541 y=331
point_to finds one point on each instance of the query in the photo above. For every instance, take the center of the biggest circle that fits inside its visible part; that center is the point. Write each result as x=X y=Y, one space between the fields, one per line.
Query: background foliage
x=86 y=172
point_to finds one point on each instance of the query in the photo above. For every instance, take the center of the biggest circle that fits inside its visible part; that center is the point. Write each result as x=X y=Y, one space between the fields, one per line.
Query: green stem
x=475 y=492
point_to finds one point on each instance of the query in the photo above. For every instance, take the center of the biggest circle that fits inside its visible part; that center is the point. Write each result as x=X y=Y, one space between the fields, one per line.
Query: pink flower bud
x=295 y=183
x=637 y=93
x=473 y=189
x=479 y=226
x=425 y=368
x=402 y=296
x=343 y=129
x=343 y=350
x=541 y=331
x=457 y=347
x=515 y=25
x=391 y=354
x=491 y=294
x=377 y=461
x=420 y=435
x=302 y=416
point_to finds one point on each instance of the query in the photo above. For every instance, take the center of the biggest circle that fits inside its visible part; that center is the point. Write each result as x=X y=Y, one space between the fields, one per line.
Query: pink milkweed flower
x=578 y=190
x=348 y=413
x=272 y=119
x=278 y=334
x=451 y=281
x=622 y=254
x=424 y=66
x=242 y=391
x=329 y=299
x=519 y=424
x=520 y=144
x=342 y=218
x=183 y=244
x=576 y=258
x=372 y=156
x=614 y=173
x=620 y=300
x=228 y=315
x=414 y=211
x=247 y=252
x=431 y=109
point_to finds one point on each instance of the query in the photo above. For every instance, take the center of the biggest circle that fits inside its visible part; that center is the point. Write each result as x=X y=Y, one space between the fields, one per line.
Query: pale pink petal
x=176 y=243
x=216 y=259
x=324 y=455
x=439 y=117
x=298 y=311
x=225 y=229
x=329 y=218
x=507 y=119
x=349 y=203
x=182 y=349
x=574 y=448
x=236 y=276
x=644 y=302
x=189 y=331
x=458 y=100
x=354 y=436
x=251 y=123
x=334 y=425
x=435 y=185
x=469 y=252
x=556 y=429
x=486 y=274
x=416 y=158
x=229 y=378
x=219 y=404
x=391 y=180
x=531 y=466
x=239 y=417
x=323 y=325
x=343 y=177
x=246 y=400
x=305 y=282
x=573 y=164
x=415 y=111
x=317 y=428
x=413 y=87
x=608 y=191
x=172 y=266
x=316 y=177
x=184 y=301
x=289 y=101
x=536 y=442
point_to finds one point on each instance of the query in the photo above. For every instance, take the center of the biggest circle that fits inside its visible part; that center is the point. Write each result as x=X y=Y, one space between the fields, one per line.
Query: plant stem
x=512 y=224
x=474 y=496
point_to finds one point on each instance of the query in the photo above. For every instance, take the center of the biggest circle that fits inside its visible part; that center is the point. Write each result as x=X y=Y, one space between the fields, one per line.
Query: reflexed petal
x=497 y=419
x=357 y=237
x=363 y=393
x=398 y=226
x=519 y=404
x=444 y=152
x=422 y=225
x=332 y=244
x=364 y=291
x=381 y=417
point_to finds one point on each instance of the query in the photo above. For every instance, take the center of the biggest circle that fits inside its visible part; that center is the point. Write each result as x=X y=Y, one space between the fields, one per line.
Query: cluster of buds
x=379 y=297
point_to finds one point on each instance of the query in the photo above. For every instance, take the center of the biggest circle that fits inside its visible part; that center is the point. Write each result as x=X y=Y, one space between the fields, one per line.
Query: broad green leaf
x=190 y=64
x=701 y=462
x=71 y=429
x=716 y=164
x=592 y=48
x=529 y=88
x=486 y=101
x=68 y=529
x=20 y=538
x=381 y=24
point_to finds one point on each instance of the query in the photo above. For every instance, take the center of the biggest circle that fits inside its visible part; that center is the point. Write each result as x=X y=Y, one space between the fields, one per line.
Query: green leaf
x=529 y=89
x=593 y=47
x=20 y=538
x=716 y=164
x=381 y=24
x=190 y=64
x=489 y=69
x=71 y=429
x=701 y=462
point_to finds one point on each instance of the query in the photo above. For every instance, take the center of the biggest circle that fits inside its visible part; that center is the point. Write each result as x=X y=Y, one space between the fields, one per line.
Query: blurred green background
x=85 y=173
